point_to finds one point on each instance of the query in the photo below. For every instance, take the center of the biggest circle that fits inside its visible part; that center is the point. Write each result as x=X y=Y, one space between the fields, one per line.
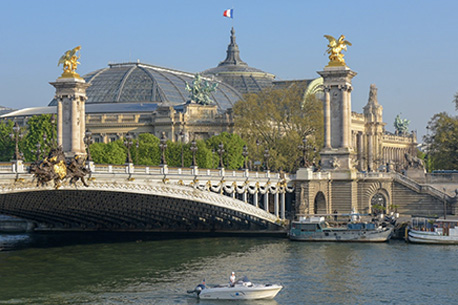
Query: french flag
x=229 y=13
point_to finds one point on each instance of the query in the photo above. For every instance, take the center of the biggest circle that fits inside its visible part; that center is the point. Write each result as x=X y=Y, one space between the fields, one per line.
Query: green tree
x=233 y=148
x=7 y=145
x=148 y=150
x=111 y=153
x=38 y=126
x=278 y=120
x=442 y=142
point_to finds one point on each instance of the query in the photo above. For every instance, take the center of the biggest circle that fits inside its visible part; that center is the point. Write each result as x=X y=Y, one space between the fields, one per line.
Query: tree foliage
x=7 y=144
x=442 y=142
x=279 y=120
x=38 y=126
x=111 y=153
x=232 y=146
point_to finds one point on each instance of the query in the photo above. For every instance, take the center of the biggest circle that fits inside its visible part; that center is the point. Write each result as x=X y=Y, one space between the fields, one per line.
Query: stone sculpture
x=413 y=161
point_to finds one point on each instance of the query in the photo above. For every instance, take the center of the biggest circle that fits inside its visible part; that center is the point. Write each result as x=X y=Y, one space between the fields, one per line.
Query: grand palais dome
x=142 y=83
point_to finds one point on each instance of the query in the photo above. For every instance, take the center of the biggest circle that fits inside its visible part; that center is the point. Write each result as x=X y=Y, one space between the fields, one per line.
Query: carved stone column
x=71 y=99
x=338 y=151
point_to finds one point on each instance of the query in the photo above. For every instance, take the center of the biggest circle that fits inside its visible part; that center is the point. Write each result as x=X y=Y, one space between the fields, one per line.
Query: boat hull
x=345 y=235
x=240 y=292
x=424 y=237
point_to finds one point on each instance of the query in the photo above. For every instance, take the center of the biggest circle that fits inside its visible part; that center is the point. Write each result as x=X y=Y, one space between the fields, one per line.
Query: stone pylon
x=338 y=153
x=71 y=119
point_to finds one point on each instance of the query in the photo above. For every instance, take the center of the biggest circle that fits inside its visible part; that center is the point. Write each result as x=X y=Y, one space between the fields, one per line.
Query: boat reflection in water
x=433 y=231
x=315 y=228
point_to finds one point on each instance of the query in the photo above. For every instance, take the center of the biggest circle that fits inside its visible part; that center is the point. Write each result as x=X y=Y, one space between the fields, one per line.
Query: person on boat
x=232 y=279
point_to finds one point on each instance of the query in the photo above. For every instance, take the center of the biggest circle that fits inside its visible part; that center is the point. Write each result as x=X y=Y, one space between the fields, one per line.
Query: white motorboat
x=241 y=290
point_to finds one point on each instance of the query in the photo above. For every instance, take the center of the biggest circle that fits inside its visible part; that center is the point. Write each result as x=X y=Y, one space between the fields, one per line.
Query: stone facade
x=193 y=120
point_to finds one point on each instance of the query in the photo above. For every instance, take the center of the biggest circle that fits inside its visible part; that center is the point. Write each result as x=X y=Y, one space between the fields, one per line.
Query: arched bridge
x=158 y=199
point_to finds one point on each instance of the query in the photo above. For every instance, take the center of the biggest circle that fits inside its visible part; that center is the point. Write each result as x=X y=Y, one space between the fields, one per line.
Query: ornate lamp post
x=182 y=144
x=53 y=134
x=245 y=155
x=266 y=158
x=38 y=151
x=163 y=147
x=303 y=147
x=257 y=162
x=221 y=152
x=44 y=149
x=87 y=142
x=128 y=143
x=194 y=150
x=16 y=135
x=137 y=145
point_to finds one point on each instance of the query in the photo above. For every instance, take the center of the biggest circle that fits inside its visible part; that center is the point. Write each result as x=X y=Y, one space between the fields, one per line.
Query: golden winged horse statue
x=335 y=48
x=70 y=61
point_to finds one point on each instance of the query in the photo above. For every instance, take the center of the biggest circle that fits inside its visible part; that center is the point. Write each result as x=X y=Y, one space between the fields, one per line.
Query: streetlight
x=266 y=158
x=257 y=162
x=163 y=147
x=16 y=135
x=182 y=144
x=38 y=151
x=194 y=150
x=137 y=145
x=44 y=149
x=128 y=143
x=221 y=152
x=304 y=148
x=53 y=137
x=245 y=155
x=87 y=142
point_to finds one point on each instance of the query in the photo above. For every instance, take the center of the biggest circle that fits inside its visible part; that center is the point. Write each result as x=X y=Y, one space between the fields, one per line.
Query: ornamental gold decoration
x=70 y=62
x=335 y=48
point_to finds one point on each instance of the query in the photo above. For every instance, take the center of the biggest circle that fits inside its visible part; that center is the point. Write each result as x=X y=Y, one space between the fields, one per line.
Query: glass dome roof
x=140 y=83
x=235 y=72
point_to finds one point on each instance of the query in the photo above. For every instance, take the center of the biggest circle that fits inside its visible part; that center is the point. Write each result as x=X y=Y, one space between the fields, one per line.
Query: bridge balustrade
x=267 y=190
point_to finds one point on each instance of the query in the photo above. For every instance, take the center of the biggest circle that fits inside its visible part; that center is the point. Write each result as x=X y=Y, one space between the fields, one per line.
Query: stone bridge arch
x=320 y=205
x=152 y=207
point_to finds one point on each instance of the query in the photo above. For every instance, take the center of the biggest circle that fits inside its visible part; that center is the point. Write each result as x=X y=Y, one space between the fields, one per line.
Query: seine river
x=74 y=269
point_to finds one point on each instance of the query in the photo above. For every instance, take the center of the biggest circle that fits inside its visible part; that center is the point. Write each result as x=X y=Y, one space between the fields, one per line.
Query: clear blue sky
x=407 y=48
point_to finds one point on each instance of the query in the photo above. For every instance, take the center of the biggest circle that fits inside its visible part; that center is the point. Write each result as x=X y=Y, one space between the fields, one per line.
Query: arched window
x=319 y=206
x=378 y=203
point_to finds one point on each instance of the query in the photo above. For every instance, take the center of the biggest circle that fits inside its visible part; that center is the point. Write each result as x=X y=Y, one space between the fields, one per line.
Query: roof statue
x=201 y=91
x=335 y=48
x=401 y=125
x=70 y=62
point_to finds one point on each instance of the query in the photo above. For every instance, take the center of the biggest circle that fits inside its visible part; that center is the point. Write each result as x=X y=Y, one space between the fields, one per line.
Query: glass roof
x=137 y=82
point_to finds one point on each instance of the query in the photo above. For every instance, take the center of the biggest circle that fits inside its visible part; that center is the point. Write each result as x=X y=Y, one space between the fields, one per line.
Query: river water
x=121 y=269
